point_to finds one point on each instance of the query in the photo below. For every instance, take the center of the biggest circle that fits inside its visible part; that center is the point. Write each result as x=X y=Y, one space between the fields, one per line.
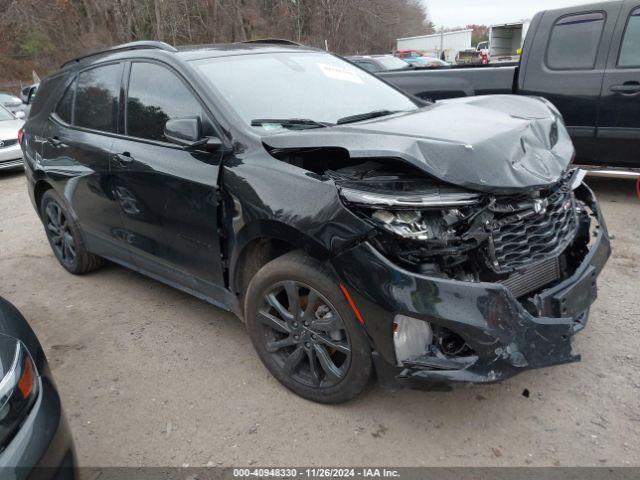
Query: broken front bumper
x=505 y=337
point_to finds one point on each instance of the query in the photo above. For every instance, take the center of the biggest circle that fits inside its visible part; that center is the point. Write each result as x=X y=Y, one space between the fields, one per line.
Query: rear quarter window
x=574 y=41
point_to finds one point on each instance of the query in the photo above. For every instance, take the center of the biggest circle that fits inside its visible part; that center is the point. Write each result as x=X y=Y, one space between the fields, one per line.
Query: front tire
x=64 y=236
x=305 y=331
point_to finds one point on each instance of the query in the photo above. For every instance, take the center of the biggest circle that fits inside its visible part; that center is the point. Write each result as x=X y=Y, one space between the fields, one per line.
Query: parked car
x=379 y=63
x=35 y=441
x=10 y=151
x=13 y=104
x=584 y=59
x=404 y=54
x=350 y=226
x=426 y=62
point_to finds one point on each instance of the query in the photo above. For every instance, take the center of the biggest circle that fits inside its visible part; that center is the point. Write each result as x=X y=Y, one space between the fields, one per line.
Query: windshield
x=315 y=87
x=392 y=63
x=8 y=98
x=5 y=115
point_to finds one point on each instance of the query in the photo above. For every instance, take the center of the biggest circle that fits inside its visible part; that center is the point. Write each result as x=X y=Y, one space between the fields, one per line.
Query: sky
x=452 y=13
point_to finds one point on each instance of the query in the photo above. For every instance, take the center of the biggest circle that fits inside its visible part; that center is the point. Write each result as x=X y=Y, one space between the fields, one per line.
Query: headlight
x=401 y=199
x=414 y=216
x=18 y=387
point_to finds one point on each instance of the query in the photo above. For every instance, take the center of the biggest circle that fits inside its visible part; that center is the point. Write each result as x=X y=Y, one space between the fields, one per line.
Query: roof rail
x=140 y=45
x=274 y=41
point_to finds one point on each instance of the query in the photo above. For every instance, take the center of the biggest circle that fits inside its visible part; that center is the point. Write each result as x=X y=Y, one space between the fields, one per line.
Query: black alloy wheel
x=305 y=334
x=59 y=233
x=64 y=236
x=305 y=331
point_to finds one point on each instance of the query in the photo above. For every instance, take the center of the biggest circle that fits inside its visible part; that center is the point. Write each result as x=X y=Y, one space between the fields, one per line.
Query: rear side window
x=156 y=95
x=65 y=106
x=630 y=49
x=574 y=42
x=97 y=96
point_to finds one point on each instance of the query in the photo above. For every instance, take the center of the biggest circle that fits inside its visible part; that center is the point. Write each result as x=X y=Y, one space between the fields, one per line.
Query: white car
x=10 y=151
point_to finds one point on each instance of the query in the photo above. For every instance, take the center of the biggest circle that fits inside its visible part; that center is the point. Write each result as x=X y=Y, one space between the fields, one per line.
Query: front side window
x=313 y=86
x=96 y=105
x=630 y=49
x=156 y=95
x=574 y=42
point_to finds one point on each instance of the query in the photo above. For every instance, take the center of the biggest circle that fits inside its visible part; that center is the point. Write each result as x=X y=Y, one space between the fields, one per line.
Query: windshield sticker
x=339 y=73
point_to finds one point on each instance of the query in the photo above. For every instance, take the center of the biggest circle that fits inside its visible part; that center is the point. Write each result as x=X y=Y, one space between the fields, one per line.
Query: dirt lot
x=151 y=376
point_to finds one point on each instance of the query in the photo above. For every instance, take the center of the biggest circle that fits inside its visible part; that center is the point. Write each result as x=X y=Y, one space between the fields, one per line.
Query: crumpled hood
x=498 y=143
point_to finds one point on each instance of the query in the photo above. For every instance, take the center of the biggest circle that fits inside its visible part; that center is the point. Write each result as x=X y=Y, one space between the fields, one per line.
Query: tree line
x=40 y=34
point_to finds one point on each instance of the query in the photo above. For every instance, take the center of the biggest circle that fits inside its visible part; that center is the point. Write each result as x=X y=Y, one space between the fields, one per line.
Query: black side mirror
x=187 y=132
x=183 y=131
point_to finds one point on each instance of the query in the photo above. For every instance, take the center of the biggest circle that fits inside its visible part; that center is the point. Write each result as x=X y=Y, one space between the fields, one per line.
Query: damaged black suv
x=353 y=228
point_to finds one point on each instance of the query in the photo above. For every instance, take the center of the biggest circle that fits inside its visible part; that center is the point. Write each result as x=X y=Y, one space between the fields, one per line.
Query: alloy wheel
x=305 y=334
x=60 y=233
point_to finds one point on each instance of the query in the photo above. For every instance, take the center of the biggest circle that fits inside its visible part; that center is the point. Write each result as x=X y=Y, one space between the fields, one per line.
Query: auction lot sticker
x=340 y=73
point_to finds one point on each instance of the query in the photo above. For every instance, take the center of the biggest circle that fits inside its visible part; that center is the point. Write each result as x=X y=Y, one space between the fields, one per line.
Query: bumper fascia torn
x=505 y=337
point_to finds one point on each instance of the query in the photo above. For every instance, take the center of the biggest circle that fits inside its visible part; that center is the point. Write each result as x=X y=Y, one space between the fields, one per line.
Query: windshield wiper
x=290 y=123
x=367 y=116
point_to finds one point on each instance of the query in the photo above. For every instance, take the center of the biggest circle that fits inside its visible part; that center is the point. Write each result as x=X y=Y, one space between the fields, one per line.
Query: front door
x=619 y=123
x=167 y=195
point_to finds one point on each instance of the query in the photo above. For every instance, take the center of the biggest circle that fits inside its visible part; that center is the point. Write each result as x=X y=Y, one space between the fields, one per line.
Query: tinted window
x=630 y=49
x=97 y=98
x=574 y=42
x=65 y=107
x=155 y=96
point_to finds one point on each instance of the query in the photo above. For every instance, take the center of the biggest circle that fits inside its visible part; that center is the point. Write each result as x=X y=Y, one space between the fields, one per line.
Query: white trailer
x=506 y=40
x=433 y=45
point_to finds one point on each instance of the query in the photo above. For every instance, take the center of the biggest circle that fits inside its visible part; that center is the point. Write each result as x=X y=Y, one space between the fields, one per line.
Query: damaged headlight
x=426 y=200
x=416 y=216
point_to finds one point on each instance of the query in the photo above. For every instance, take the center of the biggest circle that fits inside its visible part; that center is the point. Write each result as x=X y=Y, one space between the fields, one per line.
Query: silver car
x=10 y=151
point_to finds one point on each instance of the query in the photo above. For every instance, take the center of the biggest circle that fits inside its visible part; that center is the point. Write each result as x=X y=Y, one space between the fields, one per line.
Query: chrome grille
x=537 y=237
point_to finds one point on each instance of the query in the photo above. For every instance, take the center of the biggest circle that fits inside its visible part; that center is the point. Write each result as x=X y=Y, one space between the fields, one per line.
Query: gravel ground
x=151 y=376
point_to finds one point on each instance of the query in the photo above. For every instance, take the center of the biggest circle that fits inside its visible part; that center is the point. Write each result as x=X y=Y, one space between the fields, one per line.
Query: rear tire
x=64 y=236
x=305 y=331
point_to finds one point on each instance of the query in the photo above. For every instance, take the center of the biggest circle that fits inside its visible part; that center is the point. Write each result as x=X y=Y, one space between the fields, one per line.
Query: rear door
x=565 y=64
x=76 y=149
x=619 y=123
x=167 y=195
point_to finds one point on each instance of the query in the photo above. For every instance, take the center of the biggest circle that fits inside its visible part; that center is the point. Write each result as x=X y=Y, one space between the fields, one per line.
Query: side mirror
x=20 y=115
x=187 y=132
x=183 y=131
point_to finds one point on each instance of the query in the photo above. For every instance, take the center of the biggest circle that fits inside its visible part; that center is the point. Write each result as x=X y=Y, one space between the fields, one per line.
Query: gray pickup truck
x=583 y=59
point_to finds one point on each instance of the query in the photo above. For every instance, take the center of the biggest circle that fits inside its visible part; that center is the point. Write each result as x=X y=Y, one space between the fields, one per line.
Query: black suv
x=353 y=228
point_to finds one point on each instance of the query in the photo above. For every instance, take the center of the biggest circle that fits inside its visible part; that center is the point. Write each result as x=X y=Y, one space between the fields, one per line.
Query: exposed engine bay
x=439 y=230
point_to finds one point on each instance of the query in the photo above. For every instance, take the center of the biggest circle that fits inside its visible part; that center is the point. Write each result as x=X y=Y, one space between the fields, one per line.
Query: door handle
x=123 y=159
x=628 y=88
x=55 y=142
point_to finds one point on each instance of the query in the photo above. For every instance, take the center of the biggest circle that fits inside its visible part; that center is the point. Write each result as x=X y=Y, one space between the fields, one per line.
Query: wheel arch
x=264 y=241
x=39 y=189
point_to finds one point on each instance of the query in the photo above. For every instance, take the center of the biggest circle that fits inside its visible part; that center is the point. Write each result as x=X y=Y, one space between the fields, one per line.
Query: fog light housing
x=411 y=337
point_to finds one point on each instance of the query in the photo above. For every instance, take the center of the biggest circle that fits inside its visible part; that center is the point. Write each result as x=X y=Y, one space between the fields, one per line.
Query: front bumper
x=11 y=157
x=505 y=337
